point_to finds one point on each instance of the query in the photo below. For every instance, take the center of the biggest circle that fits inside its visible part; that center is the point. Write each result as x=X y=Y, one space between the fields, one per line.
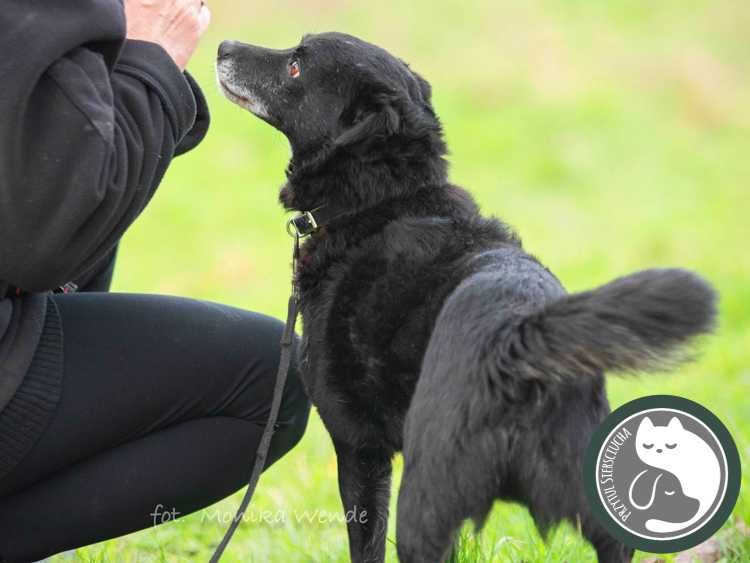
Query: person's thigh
x=138 y=364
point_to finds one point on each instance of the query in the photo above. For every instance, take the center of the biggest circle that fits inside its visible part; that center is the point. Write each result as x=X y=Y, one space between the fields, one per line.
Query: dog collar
x=308 y=222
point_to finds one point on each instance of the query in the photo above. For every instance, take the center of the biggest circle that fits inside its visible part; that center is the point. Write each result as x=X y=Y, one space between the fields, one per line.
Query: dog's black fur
x=427 y=327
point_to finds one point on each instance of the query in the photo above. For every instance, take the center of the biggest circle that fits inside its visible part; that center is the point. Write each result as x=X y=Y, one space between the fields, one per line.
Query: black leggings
x=163 y=404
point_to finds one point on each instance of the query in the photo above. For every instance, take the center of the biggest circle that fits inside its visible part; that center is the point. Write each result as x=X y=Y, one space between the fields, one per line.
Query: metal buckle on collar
x=302 y=225
x=69 y=287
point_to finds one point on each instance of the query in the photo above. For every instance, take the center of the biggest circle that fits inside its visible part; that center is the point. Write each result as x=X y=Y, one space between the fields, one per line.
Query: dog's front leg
x=365 y=486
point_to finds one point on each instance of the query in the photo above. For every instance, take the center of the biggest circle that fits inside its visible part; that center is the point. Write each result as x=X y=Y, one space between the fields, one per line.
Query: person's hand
x=176 y=25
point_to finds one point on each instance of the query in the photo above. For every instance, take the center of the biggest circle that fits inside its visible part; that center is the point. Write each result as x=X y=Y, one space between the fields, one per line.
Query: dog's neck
x=349 y=184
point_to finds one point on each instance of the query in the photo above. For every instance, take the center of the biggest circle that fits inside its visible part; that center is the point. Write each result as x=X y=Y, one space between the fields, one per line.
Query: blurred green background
x=612 y=134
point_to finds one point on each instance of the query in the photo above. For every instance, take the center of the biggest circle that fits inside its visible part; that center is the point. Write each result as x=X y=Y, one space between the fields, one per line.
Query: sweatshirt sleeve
x=93 y=123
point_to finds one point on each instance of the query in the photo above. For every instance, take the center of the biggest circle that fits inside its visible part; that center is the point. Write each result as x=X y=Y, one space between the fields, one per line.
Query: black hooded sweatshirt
x=89 y=122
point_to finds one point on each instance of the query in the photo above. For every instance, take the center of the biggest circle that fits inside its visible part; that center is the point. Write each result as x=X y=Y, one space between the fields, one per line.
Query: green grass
x=614 y=135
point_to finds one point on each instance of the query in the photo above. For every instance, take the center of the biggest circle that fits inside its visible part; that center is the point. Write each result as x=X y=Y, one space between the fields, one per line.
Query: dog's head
x=334 y=94
x=660 y=493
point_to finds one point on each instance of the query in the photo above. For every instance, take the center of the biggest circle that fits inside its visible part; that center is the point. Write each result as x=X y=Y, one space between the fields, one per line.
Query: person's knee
x=252 y=397
x=289 y=433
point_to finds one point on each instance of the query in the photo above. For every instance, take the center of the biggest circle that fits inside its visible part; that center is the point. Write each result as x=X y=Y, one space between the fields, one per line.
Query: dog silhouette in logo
x=688 y=458
x=661 y=494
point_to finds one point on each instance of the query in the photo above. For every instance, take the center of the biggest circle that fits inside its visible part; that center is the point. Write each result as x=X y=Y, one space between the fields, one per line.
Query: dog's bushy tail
x=638 y=322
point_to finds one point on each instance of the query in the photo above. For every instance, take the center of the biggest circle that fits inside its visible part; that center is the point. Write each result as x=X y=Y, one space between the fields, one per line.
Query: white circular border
x=723 y=492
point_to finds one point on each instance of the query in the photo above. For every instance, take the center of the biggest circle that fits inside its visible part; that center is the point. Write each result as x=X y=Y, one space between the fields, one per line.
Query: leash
x=297 y=227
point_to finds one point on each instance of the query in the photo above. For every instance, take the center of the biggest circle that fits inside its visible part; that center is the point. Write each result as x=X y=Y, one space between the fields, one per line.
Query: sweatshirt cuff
x=150 y=63
x=202 y=119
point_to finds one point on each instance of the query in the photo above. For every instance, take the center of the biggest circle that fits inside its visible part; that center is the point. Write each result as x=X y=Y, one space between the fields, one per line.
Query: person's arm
x=88 y=125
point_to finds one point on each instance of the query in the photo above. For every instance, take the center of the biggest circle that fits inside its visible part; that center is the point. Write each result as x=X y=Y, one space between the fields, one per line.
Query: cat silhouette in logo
x=687 y=457
x=661 y=494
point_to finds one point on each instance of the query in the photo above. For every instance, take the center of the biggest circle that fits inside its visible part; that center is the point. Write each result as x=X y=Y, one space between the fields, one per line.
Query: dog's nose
x=658 y=450
x=227 y=49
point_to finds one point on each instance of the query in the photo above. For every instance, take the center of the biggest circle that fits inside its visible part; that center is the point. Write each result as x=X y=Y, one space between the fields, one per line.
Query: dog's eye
x=671 y=446
x=294 y=69
x=648 y=446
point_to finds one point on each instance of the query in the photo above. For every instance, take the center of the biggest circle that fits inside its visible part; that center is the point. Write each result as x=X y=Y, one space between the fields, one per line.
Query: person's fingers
x=193 y=5
x=204 y=18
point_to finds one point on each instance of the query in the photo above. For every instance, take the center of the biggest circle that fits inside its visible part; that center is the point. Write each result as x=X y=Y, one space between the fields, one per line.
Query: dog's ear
x=642 y=492
x=425 y=90
x=373 y=118
x=381 y=113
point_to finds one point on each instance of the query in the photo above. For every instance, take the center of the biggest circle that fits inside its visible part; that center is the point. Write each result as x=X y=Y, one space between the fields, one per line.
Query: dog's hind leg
x=549 y=464
x=565 y=501
x=438 y=492
x=455 y=446
x=452 y=462
x=445 y=484
x=608 y=549
x=365 y=487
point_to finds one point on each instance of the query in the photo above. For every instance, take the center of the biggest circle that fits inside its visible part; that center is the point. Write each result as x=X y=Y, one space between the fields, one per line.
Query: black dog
x=427 y=328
